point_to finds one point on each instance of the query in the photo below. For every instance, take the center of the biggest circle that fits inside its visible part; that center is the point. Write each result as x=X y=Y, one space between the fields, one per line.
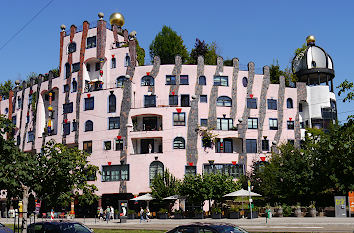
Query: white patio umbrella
x=146 y=197
x=173 y=197
x=242 y=193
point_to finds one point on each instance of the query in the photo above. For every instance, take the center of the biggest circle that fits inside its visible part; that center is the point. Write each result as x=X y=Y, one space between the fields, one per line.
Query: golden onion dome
x=116 y=19
x=310 y=39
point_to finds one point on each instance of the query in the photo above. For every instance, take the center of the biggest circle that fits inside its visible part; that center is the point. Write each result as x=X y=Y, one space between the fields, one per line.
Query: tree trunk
x=25 y=196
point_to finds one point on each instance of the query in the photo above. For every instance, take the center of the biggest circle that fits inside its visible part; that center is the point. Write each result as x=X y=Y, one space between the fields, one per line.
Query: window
x=291 y=124
x=170 y=80
x=191 y=170
x=203 y=99
x=183 y=80
x=120 y=81
x=228 y=169
x=112 y=103
x=224 y=145
x=30 y=136
x=179 y=143
x=114 y=122
x=273 y=123
x=14 y=120
x=251 y=145
x=156 y=168
x=97 y=66
x=119 y=144
x=173 y=100
x=66 y=88
x=88 y=126
x=88 y=67
x=244 y=81
x=66 y=128
x=179 y=119
x=76 y=67
x=115 y=173
x=74 y=85
x=74 y=125
x=68 y=108
x=72 y=47
x=7 y=110
x=89 y=103
x=202 y=80
x=221 y=81
x=127 y=60
x=224 y=101
x=184 y=100
x=265 y=145
x=149 y=101
x=291 y=141
x=18 y=140
x=107 y=145
x=87 y=146
x=147 y=81
x=113 y=63
x=91 y=42
x=272 y=104
x=224 y=123
x=204 y=122
x=252 y=123
x=289 y=103
x=67 y=70
x=300 y=107
x=19 y=102
x=302 y=125
x=252 y=103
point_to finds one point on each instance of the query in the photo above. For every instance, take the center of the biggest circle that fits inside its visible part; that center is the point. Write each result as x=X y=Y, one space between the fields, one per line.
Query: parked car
x=4 y=229
x=208 y=228
x=58 y=227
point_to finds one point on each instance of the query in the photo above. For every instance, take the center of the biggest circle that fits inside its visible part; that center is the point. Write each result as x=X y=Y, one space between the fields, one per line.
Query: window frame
x=88 y=126
x=90 y=43
x=113 y=121
x=68 y=108
x=265 y=145
x=174 y=99
x=205 y=121
x=185 y=79
x=203 y=82
x=118 y=144
x=219 y=123
x=119 y=176
x=190 y=170
x=219 y=80
x=88 y=104
x=183 y=102
x=120 y=81
x=271 y=125
x=179 y=143
x=70 y=48
x=149 y=101
x=251 y=103
x=147 y=80
x=224 y=101
x=179 y=122
x=170 y=80
x=66 y=128
x=75 y=67
x=204 y=98
x=289 y=103
x=112 y=103
x=251 y=146
x=113 y=63
x=30 y=136
x=290 y=125
x=253 y=121
x=224 y=141
x=106 y=144
x=88 y=145
x=272 y=104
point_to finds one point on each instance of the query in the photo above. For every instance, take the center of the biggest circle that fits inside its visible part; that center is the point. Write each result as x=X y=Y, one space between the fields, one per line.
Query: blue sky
x=258 y=31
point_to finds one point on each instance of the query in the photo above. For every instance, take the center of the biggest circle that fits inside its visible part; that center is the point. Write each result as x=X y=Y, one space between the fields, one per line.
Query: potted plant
x=131 y=214
x=116 y=214
x=286 y=210
x=216 y=213
x=234 y=212
x=178 y=214
x=163 y=213
x=297 y=211
x=279 y=210
x=312 y=209
x=198 y=213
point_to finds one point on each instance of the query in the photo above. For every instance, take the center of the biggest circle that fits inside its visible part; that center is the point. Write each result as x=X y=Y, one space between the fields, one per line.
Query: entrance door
x=145 y=144
x=184 y=100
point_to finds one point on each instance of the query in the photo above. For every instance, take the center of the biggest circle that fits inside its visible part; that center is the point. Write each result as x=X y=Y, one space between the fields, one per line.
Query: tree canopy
x=203 y=49
x=167 y=44
x=5 y=88
x=164 y=185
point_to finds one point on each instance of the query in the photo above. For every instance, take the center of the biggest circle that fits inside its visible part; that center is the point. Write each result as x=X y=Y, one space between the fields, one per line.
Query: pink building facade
x=136 y=121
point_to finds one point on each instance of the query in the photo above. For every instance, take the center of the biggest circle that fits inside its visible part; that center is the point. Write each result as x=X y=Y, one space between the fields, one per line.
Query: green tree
x=167 y=44
x=203 y=49
x=5 y=88
x=195 y=189
x=140 y=52
x=164 y=185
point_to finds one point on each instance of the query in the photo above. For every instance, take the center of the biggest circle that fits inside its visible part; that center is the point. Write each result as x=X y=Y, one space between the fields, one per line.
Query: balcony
x=147 y=123
x=147 y=145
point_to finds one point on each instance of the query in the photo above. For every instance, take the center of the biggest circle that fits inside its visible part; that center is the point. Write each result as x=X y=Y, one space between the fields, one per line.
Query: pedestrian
x=52 y=214
x=112 y=212
x=141 y=214
x=108 y=213
x=100 y=216
x=147 y=214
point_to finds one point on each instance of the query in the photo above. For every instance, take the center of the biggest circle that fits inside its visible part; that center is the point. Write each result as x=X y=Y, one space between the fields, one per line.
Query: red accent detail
x=234 y=162
x=190 y=164
x=65 y=121
x=179 y=110
x=112 y=55
x=88 y=95
x=101 y=72
x=251 y=95
x=290 y=118
x=119 y=137
x=221 y=144
x=263 y=158
x=109 y=163
x=173 y=93
x=148 y=73
x=31 y=92
x=27 y=113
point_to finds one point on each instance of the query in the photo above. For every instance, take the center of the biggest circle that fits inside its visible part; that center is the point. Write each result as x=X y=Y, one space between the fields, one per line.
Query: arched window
x=147 y=81
x=289 y=103
x=113 y=63
x=67 y=70
x=120 y=81
x=202 y=80
x=112 y=103
x=72 y=47
x=88 y=126
x=224 y=101
x=74 y=86
x=179 y=143
x=127 y=60
x=156 y=168
x=244 y=81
